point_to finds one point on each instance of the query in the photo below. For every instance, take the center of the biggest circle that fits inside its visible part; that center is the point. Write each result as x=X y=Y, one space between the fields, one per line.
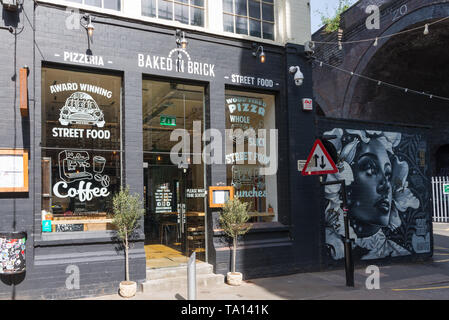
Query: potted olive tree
x=234 y=221
x=128 y=210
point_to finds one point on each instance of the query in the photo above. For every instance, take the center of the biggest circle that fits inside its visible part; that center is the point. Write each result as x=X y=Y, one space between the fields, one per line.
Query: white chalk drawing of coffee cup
x=99 y=164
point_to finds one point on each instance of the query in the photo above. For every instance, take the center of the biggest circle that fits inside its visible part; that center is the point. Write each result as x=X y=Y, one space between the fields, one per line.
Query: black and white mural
x=387 y=192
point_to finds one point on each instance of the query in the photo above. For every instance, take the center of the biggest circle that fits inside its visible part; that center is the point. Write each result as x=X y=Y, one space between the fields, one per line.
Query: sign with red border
x=319 y=161
x=307 y=104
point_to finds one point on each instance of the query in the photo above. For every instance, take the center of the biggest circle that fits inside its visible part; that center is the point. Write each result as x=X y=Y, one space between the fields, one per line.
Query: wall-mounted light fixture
x=262 y=55
x=86 y=22
x=181 y=40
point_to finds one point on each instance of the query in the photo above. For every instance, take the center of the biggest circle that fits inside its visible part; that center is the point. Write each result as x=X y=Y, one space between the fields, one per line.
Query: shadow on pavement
x=431 y=276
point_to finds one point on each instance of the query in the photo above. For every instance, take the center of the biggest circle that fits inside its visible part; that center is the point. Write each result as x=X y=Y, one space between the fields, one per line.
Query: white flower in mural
x=337 y=141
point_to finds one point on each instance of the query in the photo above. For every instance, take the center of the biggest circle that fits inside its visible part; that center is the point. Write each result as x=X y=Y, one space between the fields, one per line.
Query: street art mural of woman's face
x=372 y=173
x=379 y=198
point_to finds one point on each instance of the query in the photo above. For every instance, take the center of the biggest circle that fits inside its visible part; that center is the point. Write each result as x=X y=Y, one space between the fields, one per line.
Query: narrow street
x=412 y=281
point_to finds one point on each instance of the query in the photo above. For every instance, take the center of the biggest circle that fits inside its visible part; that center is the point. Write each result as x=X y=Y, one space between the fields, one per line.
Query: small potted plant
x=234 y=221
x=270 y=209
x=128 y=210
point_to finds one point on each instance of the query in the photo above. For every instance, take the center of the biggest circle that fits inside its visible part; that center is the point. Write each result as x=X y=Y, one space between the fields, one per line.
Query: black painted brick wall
x=280 y=250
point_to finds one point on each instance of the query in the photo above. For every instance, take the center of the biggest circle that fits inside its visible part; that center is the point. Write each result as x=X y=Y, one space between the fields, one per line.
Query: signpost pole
x=324 y=163
x=349 y=262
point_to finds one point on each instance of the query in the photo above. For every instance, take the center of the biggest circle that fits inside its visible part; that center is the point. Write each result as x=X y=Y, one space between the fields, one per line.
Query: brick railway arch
x=412 y=60
x=374 y=65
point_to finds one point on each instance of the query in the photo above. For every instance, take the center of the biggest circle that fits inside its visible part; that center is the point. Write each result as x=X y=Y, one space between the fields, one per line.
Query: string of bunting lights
x=379 y=82
x=376 y=39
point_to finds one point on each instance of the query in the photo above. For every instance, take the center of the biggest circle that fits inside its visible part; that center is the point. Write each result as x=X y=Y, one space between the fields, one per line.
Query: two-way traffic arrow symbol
x=322 y=164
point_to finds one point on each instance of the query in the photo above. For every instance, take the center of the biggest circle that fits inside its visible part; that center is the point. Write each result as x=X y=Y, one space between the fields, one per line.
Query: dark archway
x=412 y=60
x=442 y=161
x=418 y=17
x=415 y=61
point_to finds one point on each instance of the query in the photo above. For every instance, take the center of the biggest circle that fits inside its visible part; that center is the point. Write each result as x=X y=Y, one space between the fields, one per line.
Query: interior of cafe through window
x=174 y=193
x=81 y=149
x=250 y=120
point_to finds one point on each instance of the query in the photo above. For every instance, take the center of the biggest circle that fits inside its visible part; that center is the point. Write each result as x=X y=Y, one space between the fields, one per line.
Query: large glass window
x=81 y=149
x=255 y=111
x=250 y=17
x=184 y=11
x=106 y=4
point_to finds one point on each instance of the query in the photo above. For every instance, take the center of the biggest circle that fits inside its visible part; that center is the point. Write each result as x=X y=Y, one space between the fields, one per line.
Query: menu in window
x=11 y=171
x=221 y=196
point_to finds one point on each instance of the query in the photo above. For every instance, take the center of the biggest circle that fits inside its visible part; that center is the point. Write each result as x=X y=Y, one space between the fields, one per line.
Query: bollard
x=191 y=277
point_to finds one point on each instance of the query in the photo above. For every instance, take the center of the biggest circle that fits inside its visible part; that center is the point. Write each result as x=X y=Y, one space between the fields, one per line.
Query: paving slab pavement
x=419 y=280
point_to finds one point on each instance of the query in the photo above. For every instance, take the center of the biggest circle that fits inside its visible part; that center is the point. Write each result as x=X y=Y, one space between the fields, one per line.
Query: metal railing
x=440 y=199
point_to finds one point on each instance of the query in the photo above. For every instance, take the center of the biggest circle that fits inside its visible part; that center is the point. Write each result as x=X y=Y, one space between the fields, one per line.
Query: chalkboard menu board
x=69 y=227
x=163 y=197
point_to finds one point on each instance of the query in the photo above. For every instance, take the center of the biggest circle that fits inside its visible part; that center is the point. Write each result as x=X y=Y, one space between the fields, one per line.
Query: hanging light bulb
x=181 y=40
x=90 y=29
x=262 y=57
x=426 y=29
x=340 y=37
x=184 y=41
x=88 y=25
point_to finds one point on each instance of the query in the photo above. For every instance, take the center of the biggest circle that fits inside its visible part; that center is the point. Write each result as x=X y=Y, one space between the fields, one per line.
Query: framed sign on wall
x=219 y=195
x=13 y=170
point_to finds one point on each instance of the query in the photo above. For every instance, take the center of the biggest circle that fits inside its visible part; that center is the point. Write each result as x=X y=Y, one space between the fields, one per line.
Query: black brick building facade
x=41 y=41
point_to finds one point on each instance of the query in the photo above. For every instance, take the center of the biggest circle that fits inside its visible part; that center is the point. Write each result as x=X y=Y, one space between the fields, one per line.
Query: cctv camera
x=298 y=76
x=309 y=47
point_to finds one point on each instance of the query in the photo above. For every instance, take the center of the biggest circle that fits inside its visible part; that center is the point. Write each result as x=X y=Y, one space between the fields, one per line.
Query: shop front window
x=81 y=149
x=251 y=153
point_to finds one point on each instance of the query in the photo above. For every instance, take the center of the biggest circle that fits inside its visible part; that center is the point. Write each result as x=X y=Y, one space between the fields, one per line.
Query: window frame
x=248 y=18
x=189 y=5
x=213 y=19
x=101 y=7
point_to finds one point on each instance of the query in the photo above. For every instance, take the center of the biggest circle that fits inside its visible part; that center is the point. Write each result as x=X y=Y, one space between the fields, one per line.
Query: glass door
x=174 y=194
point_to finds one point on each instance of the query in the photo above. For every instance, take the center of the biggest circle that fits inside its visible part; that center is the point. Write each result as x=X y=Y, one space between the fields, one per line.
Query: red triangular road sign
x=319 y=161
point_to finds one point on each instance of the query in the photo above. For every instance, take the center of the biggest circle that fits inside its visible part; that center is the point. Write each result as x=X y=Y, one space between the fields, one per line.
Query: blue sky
x=323 y=6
